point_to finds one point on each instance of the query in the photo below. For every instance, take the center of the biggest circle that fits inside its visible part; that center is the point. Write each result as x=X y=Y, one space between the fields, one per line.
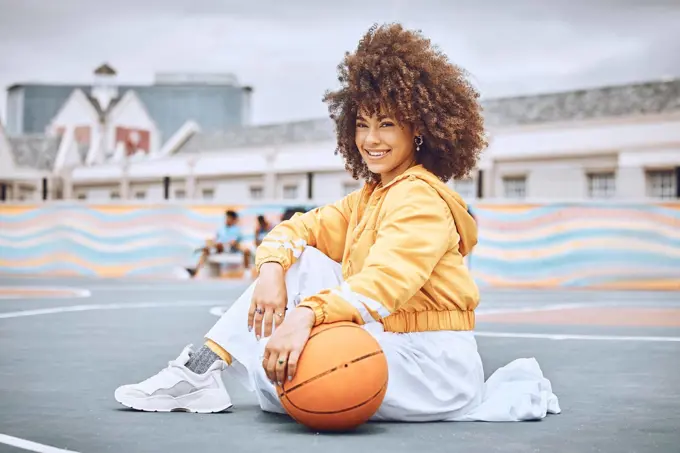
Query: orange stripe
x=101 y=270
x=27 y=293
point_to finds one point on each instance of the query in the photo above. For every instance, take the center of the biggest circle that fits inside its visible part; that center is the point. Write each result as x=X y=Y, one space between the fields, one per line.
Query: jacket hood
x=465 y=224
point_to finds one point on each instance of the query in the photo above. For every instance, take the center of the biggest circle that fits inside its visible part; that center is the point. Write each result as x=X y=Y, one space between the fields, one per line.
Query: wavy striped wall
x=586 y=245
x=623 y=246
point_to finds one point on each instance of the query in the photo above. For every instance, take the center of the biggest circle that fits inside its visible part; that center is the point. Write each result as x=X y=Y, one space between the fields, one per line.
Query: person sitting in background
x=261 y=229
x=290 y=212
x=227 y=238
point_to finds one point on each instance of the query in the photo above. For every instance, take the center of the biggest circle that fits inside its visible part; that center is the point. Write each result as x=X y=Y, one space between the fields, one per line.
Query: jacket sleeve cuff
x=272 y=259
x=319 y=312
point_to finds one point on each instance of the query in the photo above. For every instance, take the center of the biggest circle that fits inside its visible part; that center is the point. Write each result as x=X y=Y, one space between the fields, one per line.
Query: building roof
x=105 y=69
x=645 y=98
x=605 y=102
x=261 y=136
x=214 y=107
x=100 y=111
x=35 y=151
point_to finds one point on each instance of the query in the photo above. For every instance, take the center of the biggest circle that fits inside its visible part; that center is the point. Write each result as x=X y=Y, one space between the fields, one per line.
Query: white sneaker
x=178 y=389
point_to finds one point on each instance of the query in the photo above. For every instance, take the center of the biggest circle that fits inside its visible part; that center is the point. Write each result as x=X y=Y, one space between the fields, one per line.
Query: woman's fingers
x=279 y=316
x=257 y=323
x=270 y=368
x=291 y=366
x=276 y=365
x=268 y=320
x=251 y=316
x=280 y=368
x=267 y=315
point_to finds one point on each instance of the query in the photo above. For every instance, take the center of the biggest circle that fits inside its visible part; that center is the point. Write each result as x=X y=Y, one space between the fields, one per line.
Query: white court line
x=219 y=310
x=165 y=288
x=500 y=311
x=30 y=446
x=91 y=307
x=73 y=292
x=559 y=336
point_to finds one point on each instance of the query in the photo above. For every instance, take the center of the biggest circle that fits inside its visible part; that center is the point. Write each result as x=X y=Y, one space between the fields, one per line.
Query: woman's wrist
x=307 y=314
x=271 y=267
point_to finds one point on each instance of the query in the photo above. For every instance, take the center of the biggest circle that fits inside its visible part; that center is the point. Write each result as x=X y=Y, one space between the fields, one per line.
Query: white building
x=613 y=142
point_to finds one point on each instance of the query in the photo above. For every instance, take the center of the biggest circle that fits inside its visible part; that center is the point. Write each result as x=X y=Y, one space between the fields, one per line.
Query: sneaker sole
x=200 y=402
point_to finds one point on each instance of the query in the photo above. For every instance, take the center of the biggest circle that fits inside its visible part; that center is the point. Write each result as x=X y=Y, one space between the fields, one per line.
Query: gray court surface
x=62 y=358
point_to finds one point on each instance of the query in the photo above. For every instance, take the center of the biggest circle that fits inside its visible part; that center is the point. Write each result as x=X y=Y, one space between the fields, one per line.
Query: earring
x=419 y=141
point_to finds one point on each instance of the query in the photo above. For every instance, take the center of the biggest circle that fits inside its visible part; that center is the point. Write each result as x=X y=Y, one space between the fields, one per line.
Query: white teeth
x=376 y=154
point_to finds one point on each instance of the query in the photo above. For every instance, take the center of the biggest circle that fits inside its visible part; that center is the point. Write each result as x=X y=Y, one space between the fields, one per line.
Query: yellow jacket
x=401 y=248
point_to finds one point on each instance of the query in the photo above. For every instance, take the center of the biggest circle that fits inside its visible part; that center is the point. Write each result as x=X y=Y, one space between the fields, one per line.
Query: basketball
x=340 y=381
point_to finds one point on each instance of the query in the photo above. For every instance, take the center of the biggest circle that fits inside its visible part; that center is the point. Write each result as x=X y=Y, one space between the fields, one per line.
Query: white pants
x=433 y=376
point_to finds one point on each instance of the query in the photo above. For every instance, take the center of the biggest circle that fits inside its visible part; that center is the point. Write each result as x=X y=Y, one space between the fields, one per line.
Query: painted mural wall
x=580 y=245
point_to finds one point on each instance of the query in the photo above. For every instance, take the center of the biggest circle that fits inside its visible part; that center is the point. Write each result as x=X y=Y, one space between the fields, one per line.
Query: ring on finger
x=280 y=315
x=259 y=311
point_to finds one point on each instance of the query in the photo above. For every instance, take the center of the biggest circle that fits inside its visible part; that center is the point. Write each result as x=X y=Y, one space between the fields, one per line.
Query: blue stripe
x=575 y=261
x=498 y=214
x=545 y=242
x=603 y=279
x=166 y=233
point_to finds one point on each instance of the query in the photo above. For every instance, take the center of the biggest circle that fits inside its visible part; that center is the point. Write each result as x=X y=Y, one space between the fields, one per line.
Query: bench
x=225 y=265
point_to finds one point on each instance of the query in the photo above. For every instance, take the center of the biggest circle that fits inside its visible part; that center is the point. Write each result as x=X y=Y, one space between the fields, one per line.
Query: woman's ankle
x=218 y=350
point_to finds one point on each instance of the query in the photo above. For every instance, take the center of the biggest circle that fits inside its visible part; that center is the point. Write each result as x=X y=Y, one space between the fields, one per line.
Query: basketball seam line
x=318 y=376
x=342 y=410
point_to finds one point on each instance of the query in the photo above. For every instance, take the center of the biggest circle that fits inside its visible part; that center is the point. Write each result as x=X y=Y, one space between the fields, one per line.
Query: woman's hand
x=269 y=300
x=284 y=347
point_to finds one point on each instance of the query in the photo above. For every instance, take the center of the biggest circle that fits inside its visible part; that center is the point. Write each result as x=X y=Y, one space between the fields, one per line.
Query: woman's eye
x=386 y=124
x=361 y=125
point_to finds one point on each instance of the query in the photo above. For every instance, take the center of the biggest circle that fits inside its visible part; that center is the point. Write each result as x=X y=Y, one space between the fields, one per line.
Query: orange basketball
x=340 y=381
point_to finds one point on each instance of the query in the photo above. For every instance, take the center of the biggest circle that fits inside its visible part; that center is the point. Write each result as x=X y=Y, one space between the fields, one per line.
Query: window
x=290 y=192
x=661 y=184
x=208 y=194
x=256 y=193
x=601 y=185
x=466 y=188
x=140 y=195
x=349 y=187
x=180 y=194
x=515 y=186
x=114 y=195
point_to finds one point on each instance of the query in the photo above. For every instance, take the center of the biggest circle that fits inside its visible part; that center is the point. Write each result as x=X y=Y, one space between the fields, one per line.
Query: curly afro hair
x=401 y=72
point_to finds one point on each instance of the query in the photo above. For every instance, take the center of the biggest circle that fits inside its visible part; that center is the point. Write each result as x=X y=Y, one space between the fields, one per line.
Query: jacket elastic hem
x=425 y=321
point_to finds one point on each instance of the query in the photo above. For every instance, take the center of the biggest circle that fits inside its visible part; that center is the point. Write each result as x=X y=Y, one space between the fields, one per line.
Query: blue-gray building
x=214 y=102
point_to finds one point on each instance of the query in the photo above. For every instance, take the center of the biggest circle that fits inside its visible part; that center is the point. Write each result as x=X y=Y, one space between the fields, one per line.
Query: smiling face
x=387 y=147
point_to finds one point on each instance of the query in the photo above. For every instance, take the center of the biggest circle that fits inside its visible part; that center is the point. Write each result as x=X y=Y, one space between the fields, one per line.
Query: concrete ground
x=613 y=359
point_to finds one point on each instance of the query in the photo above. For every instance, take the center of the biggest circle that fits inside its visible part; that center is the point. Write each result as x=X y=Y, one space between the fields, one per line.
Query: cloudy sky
x=288 y=50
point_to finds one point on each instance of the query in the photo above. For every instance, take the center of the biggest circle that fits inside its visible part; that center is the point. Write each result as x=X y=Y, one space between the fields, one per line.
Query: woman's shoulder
x=413 y=190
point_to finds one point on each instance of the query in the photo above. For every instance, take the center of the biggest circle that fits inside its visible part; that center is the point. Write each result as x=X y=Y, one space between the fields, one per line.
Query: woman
x=407 y=121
